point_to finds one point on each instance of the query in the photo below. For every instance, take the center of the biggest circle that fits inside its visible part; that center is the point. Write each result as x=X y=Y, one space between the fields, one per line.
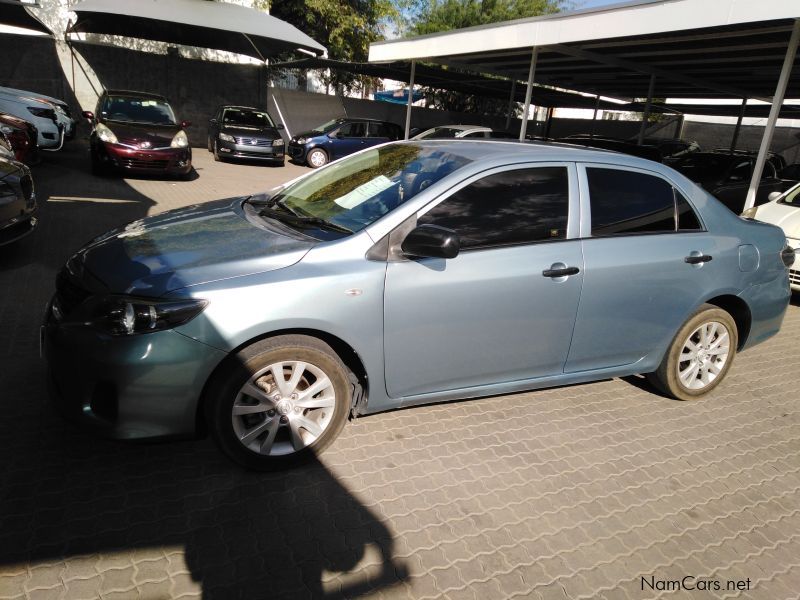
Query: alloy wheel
x=704 y=355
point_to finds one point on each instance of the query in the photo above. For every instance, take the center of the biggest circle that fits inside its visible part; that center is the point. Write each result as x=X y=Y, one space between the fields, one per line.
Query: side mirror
x=774 y=196
x=185 y=124
x=88 y=115
x=280 y=126
x=212 y=121
x=431 y=241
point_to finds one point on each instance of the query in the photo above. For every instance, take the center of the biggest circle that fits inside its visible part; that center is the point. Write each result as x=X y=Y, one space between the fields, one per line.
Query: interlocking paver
x=573 y=492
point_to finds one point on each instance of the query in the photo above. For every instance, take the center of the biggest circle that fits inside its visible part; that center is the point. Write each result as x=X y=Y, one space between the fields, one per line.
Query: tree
x=345 y=27
x=433 y=16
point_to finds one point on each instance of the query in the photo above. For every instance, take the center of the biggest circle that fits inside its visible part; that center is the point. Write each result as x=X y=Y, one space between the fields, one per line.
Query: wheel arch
x=344 y=350
x=739 y=310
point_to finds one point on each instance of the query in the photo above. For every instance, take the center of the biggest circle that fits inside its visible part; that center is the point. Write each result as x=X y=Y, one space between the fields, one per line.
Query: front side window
x=513 y=207
x=627 y=202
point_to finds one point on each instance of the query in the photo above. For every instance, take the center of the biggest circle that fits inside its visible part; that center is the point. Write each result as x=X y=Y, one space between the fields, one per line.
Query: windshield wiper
x=288 y=215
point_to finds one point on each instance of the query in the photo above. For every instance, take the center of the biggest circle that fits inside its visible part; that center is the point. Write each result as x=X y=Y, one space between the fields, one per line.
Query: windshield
x=246 y=118
x=128 y=109
x=792 y=198
x=354 y=192
x=329 y=125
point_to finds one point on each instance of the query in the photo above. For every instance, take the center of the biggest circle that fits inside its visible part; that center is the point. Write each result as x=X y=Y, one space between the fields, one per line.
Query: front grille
x=139 y=163
x=794 y=276
x=243 y=141
x=68 y=293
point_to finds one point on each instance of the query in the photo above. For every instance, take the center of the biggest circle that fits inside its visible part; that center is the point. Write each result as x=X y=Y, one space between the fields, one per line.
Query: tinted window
x=247 y=118
x=741 y=171
x=381 y=130
x=627 y=202
x=137 y=110
x=353 y=130
x=687 y=218
x=513 y=207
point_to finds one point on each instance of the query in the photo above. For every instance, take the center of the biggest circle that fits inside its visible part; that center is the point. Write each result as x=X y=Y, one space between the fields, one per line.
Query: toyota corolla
x=409 y=273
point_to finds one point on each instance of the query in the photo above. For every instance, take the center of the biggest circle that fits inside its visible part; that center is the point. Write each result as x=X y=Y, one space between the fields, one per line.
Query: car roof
x=241 y=107
x=134 y=93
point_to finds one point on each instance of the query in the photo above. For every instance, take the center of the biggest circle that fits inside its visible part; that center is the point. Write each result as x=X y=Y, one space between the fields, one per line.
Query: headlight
x=119 y=315
x=227 y=138
x=301 y=140
x=750 y=213
x=277 y=142
x=181 y=140
x=105 y=134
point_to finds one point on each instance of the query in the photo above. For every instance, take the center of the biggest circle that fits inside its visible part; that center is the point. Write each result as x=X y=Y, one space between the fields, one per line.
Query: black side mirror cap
x=431 y=241
x=212 y=121
x=280 y=126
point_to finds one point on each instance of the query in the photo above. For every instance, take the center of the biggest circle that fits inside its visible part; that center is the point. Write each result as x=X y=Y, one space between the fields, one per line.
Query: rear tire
x=700 y=355
x=279 y=402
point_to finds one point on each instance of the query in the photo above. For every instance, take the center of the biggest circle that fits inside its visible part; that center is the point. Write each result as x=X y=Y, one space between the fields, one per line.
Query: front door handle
x=563 y=272
x=698 y=259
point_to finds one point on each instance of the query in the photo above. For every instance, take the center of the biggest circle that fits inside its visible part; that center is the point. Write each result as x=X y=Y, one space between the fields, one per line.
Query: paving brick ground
x=574 y=492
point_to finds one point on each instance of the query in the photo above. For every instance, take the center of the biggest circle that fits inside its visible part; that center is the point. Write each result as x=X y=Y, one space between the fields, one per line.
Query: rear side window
x=379 y=130
x=509 y=208
x=626 y=202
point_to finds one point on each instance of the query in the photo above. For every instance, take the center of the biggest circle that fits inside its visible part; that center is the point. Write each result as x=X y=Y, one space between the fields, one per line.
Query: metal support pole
x=511 y=102
x=646 y=114
x=528 y=91
x=410 y=97
x=678 y=134
x=774 y=111
x=549 y=122
x=738 y=125
x=594 y=115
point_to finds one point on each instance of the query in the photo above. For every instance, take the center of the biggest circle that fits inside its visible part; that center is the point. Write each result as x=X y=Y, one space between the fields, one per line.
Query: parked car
x=340 y=137
x=790 y=172
x=245 y=132
x=727 y=177
x=22 y=137
x=270 y=319
x=462 y=131
x=41 y=114
x=783 y=210
x=643 y=151
x=137 y=132
x=63 y=113
x=17 y=200
x=672 y=149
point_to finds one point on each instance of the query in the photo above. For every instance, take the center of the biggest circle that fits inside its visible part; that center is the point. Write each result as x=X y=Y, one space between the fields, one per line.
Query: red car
x=22 y=135
x=136 y=132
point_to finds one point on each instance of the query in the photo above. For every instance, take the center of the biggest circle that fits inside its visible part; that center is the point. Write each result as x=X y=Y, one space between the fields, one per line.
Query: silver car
x=409 y=273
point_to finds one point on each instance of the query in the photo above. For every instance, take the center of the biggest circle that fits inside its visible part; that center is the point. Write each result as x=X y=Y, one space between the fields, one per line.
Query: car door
x=496 y=312
x=351 y=137
x=377 y=133
x=648 y=263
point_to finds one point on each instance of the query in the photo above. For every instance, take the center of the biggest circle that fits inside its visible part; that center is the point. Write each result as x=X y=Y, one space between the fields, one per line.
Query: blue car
x=338 y=138
x=411 y=273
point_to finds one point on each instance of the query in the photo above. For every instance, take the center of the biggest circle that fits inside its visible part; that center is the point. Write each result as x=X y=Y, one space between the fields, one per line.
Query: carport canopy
x=216 y=25
x=14 y=13
x=731 y=49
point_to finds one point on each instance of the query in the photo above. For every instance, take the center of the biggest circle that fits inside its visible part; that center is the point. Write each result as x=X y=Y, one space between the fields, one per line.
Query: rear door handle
x=563 y=272
x=696 y=260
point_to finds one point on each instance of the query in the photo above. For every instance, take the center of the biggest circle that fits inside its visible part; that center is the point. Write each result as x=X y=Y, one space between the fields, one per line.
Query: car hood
x=308 y=134
x=783 y=215
x=158 y=136
x=269 y=133
x=185 y=247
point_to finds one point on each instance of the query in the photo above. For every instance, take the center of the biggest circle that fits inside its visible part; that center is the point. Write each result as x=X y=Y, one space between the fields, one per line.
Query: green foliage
x=345 y=27
x=443 y=15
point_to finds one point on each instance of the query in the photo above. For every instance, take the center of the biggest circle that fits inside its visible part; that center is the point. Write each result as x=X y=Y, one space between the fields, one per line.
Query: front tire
x=217 y=155
x=699 y=356
x=317 y=158
x=279 y=402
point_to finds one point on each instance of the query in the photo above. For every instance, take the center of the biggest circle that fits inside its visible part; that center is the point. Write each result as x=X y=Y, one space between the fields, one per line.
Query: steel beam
x=777 y=101
x=410 y=97
x=511 y=102
x=528 y=91
x=650 y=89
x=738 y=125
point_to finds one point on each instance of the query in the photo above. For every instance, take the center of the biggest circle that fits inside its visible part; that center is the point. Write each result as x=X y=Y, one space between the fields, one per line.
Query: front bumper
x=261 y=150
x=168 y=161
x=297 y=152
x=128 y=387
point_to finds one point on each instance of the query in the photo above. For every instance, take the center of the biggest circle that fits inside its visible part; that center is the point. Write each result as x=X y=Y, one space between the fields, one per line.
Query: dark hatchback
x=245 y=132
x=17 y=200
x=340 y=137
x=136 y=132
